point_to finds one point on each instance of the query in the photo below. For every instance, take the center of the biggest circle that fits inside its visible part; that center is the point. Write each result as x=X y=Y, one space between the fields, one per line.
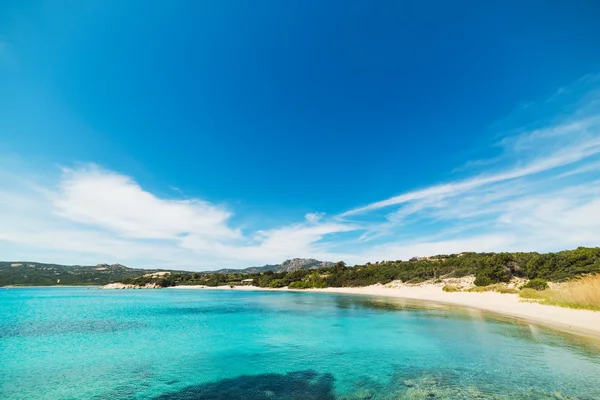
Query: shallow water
x=85 y=343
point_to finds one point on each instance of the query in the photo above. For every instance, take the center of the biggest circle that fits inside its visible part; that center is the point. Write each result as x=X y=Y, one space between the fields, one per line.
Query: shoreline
x=581 y=322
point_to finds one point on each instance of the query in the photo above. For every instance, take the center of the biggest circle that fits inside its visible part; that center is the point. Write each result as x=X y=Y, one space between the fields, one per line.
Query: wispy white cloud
x=90 y=212
x=560 y=157
x=314 y=217
x=115 y=202
x=534 y=196
x=586 y=168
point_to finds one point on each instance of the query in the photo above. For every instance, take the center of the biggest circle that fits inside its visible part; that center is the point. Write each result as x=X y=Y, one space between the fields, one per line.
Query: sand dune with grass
x=579 y=293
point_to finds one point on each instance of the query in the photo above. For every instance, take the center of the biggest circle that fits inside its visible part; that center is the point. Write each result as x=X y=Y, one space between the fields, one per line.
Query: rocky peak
x=303 y=263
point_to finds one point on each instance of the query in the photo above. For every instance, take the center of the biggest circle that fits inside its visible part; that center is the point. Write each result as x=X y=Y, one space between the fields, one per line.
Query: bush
x=450 y=288
x=482 y=280
x=277 y=283
x=460 y=272
x=479 y=289
x=299 y=285
x=536 y=284
x=491 y=275
x=504 y=289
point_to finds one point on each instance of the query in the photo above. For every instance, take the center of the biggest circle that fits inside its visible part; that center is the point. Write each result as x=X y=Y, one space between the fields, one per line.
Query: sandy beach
x=582 y=322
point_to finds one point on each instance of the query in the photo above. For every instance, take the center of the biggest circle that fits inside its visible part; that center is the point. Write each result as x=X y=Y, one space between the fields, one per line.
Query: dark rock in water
x=299 y=385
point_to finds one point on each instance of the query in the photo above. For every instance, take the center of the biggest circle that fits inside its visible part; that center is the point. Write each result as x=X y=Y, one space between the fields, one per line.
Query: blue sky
x=226 y=134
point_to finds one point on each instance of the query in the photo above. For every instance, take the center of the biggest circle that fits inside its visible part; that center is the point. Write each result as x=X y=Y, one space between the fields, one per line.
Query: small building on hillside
x=247 y=280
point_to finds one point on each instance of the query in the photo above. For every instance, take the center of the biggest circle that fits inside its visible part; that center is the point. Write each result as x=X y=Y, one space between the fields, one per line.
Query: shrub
x=299 y=285
x=316 y=281
x=450 y=288
x=504 y=289
x=482 y=280
x=460 y=272
x=536 y=284
x=277 y=283
x=479 y=289
x=491 y=275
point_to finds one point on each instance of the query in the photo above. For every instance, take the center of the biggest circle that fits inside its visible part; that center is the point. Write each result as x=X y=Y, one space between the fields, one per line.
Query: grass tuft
x=499 y=287
x=479 y=289
x=504 y=289
x=450 y=288
x=527 y=293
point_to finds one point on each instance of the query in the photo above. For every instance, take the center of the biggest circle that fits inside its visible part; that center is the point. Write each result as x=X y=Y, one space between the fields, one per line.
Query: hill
x=26 y=273
x=292 y=265
x=21 y=273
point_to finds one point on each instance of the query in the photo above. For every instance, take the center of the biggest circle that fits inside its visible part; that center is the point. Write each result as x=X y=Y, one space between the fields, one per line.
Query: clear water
x=85 y=343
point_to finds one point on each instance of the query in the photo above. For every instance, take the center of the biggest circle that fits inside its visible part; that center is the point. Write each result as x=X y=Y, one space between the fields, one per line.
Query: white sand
x=583 y=322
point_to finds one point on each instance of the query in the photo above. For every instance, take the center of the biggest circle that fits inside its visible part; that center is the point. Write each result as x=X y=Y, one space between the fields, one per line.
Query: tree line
x=488 y=268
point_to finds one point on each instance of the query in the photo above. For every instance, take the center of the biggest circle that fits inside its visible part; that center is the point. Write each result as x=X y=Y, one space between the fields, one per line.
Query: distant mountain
x=22 y=273
x=26 y=273
x=286 y=266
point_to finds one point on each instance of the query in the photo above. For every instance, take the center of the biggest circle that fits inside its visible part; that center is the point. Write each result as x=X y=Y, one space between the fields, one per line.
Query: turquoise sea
x=86 y=343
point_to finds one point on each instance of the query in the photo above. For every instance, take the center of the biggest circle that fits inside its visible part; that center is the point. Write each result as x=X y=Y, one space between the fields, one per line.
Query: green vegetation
x=299 y=285
x=489 y=269
x=450 y=288
x=495 y=269
x=498 y=287
x=277 y=283
x=536 y=284
x=492 y=270
x=20 y=273
x=505 y=289
x=527 y=293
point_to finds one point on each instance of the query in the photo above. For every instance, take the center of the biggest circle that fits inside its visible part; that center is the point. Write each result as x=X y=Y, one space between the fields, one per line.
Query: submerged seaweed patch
x=412 y=383
x=299 y=385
